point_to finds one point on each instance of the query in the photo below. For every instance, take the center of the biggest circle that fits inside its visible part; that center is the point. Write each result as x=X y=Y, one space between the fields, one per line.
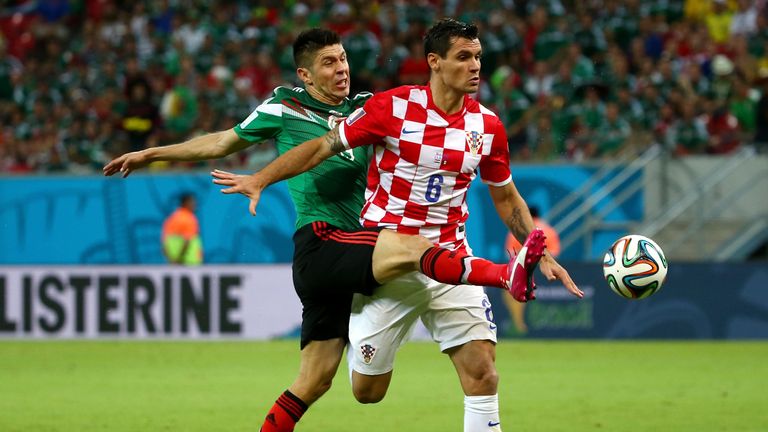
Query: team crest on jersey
x=368 y=352
x=438 y=157
x=475 y=141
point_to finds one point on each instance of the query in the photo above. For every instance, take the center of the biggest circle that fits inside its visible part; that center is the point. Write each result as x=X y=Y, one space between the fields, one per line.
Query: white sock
x=481 y=414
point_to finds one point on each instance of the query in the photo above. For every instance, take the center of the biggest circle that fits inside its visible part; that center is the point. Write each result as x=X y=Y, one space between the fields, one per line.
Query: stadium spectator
x=744 y=21
x=723 y=129
x=761 y=113
x=743 y=106
x=413 y=69
x=611 y=133
x=688 y=135
x=141 y=118
x=181 y=234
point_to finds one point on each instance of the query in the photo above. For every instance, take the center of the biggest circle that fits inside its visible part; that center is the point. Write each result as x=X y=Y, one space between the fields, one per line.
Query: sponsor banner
x=698 y=301
x=148 y=302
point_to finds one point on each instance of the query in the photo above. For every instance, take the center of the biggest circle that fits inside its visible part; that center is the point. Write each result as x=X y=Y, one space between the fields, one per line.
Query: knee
x=370 y=389
x=369 y=395
x=483 y=378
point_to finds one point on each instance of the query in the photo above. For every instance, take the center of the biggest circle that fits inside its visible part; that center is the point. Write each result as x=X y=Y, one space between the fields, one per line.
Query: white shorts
x=382 y=323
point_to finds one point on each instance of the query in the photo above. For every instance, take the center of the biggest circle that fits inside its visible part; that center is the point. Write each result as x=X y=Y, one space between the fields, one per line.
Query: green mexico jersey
x=332 y=191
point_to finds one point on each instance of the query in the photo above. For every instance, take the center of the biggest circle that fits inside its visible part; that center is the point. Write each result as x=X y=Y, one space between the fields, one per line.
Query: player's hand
x=243 y=184
x=554 y=271
x=126 y=163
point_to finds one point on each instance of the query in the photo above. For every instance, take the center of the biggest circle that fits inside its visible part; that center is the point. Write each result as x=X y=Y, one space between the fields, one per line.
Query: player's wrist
x=258 y=181
x=149 y=154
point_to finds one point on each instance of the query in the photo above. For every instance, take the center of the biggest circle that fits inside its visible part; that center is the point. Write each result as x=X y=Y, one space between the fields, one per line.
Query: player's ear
x=433 y=60
x=304 y=75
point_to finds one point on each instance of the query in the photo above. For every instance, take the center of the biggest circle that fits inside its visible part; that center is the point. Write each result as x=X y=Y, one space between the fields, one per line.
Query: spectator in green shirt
x=612 y=132
x=688 y=135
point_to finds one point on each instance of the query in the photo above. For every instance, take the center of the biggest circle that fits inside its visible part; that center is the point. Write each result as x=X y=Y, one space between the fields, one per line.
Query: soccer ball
x=635 y=267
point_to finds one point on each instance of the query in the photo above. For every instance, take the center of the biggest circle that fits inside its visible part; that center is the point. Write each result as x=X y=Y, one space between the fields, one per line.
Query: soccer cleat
x=519 y=281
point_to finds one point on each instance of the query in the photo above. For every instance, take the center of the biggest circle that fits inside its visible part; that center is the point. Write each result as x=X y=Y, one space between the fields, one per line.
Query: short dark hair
x=309 y=42
x=438 y=38
x=185 y=197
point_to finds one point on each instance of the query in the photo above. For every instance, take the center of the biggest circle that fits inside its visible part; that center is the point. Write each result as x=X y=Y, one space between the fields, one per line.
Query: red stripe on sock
x=290 y=409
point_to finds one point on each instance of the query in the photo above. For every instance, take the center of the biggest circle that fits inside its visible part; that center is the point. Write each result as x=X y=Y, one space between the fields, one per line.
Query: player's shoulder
x=360 y=99
x=477 y=107
x=415 y=93
x=282 y=93
x=491 y=118
x=411 y=93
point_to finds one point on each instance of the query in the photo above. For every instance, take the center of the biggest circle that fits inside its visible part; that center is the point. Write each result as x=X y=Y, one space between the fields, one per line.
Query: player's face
x=460 y=69
x=329 y=75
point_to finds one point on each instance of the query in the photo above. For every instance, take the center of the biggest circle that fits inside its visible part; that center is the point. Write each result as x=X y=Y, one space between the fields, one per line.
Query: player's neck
x=324 y=98
x=447 y=99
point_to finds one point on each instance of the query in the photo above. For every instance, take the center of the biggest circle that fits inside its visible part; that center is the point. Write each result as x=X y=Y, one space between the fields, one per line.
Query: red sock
x=284 y=414
x=454 y=267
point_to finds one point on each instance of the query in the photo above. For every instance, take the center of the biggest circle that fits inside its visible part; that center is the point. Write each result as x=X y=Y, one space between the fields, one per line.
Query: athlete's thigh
x=325 y=306
x=457 y=314
x=330 y=259
x=383 y=322
x=324 y=316
x=397 y=254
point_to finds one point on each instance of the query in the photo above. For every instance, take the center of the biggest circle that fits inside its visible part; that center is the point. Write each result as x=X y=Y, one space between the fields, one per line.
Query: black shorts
x=329 y=266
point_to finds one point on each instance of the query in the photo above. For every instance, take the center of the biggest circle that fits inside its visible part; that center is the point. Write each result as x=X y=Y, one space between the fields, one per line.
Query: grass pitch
x=229 y=386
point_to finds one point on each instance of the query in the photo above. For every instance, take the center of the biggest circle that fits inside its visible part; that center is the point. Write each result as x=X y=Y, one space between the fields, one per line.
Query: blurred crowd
x=84 y=80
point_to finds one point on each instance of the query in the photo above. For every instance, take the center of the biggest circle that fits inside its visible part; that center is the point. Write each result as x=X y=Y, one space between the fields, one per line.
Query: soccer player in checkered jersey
x=429 y=141
x=334 y=256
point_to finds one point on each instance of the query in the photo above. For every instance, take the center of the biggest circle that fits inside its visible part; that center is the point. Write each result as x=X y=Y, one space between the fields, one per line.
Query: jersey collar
x=431 y=105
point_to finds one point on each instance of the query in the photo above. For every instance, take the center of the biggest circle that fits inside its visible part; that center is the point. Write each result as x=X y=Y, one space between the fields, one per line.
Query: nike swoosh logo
x=406 y=131
x=492 y=424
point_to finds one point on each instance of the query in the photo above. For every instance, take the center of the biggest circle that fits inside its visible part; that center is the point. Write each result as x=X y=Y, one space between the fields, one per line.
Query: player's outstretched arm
x=210 y=146
x=291 y=163
x=514 y=212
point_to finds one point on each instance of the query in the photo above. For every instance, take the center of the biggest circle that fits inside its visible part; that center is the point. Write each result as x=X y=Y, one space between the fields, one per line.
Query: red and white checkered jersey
x=425 y=160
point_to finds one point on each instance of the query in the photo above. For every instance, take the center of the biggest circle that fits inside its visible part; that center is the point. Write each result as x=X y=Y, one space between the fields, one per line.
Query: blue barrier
x=97 y=220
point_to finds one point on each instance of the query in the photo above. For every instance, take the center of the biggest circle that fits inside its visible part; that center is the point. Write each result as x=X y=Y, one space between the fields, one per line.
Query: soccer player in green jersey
x=334 y=257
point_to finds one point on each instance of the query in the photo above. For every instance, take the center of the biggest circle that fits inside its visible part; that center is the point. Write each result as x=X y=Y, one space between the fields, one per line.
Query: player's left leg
x=460 y=319
x=319 y=361
x=378 y=326
x=475 y=364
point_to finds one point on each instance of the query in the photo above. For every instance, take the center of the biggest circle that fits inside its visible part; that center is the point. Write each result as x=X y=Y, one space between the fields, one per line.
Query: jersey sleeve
x=367 y=124
x=494 y=168
x=265 y=122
